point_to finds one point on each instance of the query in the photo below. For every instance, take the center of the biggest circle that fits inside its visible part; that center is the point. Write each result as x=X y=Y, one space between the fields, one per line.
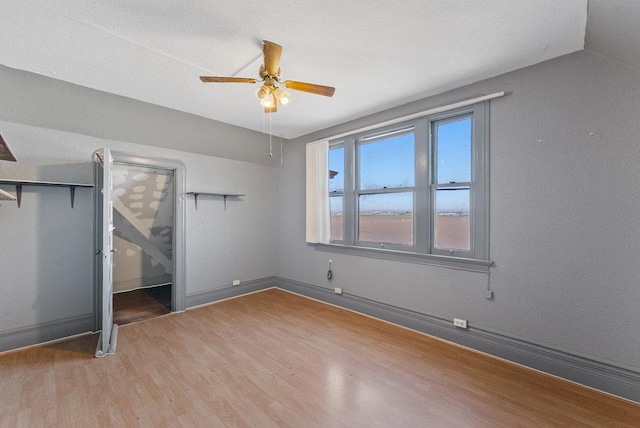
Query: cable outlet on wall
x=460 y=323
x=337 y=290
x=236 y=282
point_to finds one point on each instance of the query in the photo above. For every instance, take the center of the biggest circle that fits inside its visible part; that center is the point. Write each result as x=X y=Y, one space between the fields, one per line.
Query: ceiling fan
x=270 y=94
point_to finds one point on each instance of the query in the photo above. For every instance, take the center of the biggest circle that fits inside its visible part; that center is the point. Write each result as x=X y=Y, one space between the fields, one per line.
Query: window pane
x=454 y=151
x=335 y=209
x=452 y=225
x=388 y=162
x=386 y=218
x=336 y=169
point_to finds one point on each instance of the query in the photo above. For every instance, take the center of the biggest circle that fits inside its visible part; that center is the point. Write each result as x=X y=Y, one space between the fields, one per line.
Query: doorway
x=143 y=201
x=140 y=238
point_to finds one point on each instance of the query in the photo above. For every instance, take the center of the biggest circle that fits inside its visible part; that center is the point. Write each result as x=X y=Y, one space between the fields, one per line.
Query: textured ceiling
x=377 y=53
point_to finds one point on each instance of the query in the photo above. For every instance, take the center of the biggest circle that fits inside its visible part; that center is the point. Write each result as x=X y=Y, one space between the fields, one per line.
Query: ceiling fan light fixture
x=282 y=96
x=269 y=101
x=270 y=93
x=263 y=93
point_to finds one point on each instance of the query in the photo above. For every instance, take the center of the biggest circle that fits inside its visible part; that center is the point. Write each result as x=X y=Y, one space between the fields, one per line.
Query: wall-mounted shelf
x=6 y=196
x=20 y=183
x=224 y=195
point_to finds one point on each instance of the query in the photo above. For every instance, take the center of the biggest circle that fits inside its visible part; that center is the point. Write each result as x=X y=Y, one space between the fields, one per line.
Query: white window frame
x=422 y=250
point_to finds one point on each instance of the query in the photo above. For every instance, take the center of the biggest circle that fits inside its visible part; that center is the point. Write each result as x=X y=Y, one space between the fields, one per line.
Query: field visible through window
x=452 y=230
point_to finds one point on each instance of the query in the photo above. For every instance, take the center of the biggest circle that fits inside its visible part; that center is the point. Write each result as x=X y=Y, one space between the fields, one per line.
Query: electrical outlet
x=488 y=294
x=460 y=323
x=337 y=290
x=236 y=282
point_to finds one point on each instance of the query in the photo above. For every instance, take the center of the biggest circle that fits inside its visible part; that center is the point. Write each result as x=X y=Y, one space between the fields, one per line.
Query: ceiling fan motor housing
x=264 y=75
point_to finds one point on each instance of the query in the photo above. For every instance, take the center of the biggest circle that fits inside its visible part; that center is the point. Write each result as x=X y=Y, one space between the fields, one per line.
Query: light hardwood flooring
x=276 y=359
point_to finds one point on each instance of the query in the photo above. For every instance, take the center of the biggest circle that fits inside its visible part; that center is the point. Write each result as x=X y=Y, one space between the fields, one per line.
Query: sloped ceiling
x=377 y=53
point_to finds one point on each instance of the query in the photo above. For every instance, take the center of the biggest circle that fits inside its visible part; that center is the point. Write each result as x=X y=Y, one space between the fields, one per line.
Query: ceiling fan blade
x=271 y=109
x=327 y=91
x=272 y=53
x=219 y=79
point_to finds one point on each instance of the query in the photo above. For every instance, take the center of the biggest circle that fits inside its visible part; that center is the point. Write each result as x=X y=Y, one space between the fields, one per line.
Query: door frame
x=178 y=285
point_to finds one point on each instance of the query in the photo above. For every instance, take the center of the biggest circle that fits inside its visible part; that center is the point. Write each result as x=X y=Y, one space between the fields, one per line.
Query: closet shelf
x=6 y=196
x=20 y=183
x=224 y=195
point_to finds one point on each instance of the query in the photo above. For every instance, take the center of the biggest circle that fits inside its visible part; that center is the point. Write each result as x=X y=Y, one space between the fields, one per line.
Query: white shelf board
x=5 y=196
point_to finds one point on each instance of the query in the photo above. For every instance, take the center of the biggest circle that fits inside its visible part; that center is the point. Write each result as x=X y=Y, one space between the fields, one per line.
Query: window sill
x=460 y=263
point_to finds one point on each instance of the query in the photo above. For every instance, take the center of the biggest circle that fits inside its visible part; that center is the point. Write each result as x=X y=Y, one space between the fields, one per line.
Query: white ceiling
x=377 y=53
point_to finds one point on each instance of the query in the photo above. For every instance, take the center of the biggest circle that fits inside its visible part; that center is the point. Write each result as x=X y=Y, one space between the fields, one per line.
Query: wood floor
x=141 y=304
x=277 y=359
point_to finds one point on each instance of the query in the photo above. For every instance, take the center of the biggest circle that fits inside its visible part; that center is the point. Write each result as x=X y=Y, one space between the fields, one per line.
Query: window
x=385 y=188
x=451 y=168
x=420 y=186
x=336 y=191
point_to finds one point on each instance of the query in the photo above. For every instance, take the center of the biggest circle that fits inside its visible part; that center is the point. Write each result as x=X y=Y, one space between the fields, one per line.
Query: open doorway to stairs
x=143 y=201
x=145 y=274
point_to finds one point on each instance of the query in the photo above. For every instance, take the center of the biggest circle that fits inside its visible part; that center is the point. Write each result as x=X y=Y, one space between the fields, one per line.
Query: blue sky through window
x=390 y=163
x=454 y=151
x=336 y=165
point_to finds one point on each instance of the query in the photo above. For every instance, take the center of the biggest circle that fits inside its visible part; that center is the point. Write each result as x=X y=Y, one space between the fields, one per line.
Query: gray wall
x=46 y=248
x=565 y=210
x=32 y=99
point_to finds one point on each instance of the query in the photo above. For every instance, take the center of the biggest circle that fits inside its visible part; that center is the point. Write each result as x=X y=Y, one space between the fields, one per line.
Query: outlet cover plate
x=460 y=323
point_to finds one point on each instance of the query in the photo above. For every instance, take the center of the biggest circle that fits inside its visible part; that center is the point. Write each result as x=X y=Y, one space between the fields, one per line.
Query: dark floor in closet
x=138 y=305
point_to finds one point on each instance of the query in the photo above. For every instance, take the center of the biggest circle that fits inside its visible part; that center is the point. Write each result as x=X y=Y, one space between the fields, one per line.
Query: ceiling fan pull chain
x=270 y=139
